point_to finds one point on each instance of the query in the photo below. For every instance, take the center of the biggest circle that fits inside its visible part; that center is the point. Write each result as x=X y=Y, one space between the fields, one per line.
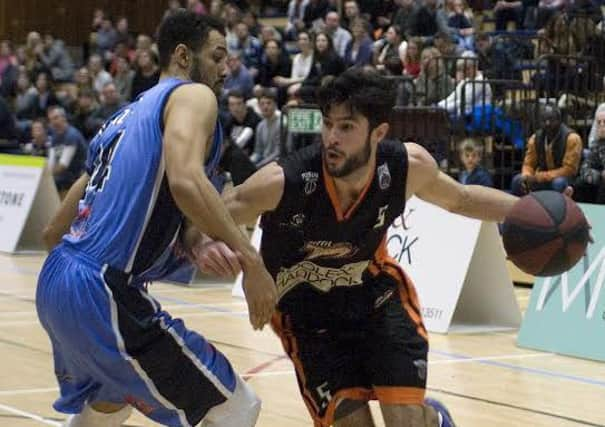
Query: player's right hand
x=260 y=292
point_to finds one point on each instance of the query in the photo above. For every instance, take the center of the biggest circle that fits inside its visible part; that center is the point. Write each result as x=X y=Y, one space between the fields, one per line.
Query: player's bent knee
x=90 y=417
x=409 y=415
x=240 y=410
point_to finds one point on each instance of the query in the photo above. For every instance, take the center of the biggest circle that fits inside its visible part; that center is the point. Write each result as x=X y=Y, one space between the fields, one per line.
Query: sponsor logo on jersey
x=327 y=249
x=310 y=179
x=321 y=278
x=384 y=176
x=382 y=211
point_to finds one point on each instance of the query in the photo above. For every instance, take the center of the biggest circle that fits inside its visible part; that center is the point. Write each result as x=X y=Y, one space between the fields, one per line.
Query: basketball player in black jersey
x=347 y=314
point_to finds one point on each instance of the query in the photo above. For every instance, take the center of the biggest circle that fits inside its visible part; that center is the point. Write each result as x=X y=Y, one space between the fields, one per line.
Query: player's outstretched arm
x=59 y=225
x=189 y=123
x=426 y=181
x=260 y=193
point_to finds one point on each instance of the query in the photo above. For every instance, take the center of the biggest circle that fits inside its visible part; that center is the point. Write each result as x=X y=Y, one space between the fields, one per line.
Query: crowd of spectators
x=52 y=99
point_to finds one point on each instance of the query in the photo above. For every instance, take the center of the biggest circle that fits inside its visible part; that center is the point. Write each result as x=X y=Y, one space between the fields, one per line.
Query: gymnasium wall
x=71 y=20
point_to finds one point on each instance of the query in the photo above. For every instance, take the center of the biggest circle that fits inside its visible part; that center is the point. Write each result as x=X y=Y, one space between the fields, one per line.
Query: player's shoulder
x=418 y=156
x=190 y=95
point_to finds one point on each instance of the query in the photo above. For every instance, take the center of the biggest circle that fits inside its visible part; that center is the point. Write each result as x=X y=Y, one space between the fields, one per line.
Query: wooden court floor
x=485 y=379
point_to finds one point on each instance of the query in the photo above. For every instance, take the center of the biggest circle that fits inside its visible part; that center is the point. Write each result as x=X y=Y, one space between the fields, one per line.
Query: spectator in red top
x=411 y=59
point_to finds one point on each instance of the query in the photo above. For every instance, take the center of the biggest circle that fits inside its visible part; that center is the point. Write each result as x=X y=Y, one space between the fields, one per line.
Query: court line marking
x=17 y=392
x=19 y=323
x=536 y=371
x=484 y=358
x=516 y=407
x=29 y=415
x=539 y=372
x=17 y=313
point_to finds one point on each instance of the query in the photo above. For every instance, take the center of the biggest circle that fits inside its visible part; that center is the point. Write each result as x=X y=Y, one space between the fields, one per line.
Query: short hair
x=58 y=109
x=184 y=27
x=236 y=93
x=470 y=145
x=268 y=92
x=39 y=120
x=363 y=91
x=552 y=107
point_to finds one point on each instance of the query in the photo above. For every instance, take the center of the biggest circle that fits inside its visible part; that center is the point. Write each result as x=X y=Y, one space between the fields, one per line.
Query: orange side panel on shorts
x=400 y=395
x=409 y=298
x=291 y=348
x=356 y=393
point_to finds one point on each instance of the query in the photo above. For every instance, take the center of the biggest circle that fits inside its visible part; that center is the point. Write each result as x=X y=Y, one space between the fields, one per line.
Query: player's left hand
x=215 y=258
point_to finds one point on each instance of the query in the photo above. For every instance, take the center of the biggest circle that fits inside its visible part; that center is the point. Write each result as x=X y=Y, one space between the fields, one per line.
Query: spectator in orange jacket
x=552 y=158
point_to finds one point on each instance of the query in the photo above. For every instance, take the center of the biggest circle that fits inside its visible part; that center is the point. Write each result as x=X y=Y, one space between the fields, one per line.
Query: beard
x=197 y=77
x=351 y=163
x=196 y=74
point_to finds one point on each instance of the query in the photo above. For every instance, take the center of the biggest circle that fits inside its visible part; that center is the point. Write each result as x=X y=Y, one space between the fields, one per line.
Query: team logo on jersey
x=327 y=249
x=310 y=179
x=384 y=176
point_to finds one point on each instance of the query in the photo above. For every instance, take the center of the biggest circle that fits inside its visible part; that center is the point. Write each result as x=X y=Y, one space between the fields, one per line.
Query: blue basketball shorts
x=112 y=342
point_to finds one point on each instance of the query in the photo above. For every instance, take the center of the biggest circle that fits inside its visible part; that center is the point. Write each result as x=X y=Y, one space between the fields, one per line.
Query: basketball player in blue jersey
x=348 y=316
x=147 y=186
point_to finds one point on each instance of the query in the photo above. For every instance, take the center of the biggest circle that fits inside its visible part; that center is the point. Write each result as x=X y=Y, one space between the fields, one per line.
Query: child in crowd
x=472 y=172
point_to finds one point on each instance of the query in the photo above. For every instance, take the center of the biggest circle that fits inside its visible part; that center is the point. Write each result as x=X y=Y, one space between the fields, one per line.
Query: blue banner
x=566 y=313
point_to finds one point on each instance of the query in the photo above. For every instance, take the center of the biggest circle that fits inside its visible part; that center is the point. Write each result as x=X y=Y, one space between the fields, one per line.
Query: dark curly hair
x=187 y=28
x=364 y=92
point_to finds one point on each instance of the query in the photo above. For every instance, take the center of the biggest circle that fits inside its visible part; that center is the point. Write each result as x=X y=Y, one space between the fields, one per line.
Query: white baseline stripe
x=34 y=417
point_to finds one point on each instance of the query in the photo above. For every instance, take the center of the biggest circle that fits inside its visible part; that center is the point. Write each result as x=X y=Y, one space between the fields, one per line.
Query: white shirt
x=301 y=66
x=472 y=97
x=340 y=38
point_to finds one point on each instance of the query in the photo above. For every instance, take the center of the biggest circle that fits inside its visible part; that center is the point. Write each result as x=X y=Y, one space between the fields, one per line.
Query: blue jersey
x=128 y=218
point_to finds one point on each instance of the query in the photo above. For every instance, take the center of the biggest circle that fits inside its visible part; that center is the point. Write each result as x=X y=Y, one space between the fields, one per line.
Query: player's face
x=346 y=142
x=210 y=64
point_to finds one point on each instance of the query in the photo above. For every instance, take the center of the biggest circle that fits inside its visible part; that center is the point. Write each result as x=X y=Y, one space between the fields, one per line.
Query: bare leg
x=361 y=417
x=409 y=416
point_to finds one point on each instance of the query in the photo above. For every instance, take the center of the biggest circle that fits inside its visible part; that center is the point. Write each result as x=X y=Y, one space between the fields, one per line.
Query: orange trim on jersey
x=382 y=252
x=291 y=348
x=400 y=395
x=333 y=195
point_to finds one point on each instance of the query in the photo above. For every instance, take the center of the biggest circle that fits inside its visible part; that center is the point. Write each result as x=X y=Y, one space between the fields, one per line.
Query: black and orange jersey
x=318 y=254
